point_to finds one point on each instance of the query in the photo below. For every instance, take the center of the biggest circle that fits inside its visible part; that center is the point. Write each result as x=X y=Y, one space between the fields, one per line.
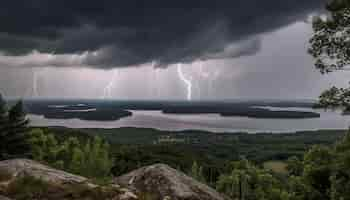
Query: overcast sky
x=193 y=49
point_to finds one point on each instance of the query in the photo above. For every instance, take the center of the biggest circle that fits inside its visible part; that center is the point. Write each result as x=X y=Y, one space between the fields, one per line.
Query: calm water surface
x=208 y=122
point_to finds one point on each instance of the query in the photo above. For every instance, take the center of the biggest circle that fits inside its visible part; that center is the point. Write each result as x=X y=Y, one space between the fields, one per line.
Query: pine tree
x=17 y=144
x=3 y=127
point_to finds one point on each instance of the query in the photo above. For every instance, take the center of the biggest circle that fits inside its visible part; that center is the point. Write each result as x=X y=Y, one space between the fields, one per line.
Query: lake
x=208 y=122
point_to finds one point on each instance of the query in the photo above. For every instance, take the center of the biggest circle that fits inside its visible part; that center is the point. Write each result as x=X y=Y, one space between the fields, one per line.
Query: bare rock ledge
x=165 y=183
x=155 y=182
x=62 y=185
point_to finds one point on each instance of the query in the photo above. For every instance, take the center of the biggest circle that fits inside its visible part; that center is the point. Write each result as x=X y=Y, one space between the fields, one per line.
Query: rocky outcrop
x=27 y=179
x=162 y=182
x=49 y=183
x=18 y=168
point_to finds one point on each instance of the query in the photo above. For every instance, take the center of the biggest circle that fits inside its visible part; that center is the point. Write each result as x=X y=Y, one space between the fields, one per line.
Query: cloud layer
x=111 y=33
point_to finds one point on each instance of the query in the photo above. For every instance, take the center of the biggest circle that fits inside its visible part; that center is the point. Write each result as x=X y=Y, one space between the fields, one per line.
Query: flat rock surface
x=163 y=182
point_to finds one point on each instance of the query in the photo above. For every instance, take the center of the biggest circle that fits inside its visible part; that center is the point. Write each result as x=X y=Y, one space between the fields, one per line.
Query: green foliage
x=340 y=178
x=294 y=166
x=13 y=131
x=297 y=189
x=133 y=148
x=335 y=98
x=197 y=172
x=322 y=174
x=240 y=179
x=317 y=171
x=330 y=47
x=326 y=173
x=90 y=159
x=95 y=157
x=329 y=44
x=44 y=147
x=246 y=181
x=17 y=137
x=3 y=126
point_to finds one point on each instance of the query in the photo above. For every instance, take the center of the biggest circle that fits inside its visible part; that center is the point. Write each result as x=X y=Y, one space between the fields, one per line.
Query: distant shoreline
x=250 y=117
x=114 y=110
x=194 y=130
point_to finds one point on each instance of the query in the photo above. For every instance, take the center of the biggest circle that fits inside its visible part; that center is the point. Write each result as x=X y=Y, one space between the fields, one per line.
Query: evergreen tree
x=13 y=131
x=3 y=127
x=17 y=143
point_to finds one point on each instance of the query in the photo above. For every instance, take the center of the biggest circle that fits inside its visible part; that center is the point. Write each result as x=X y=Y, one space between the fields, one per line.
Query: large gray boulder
x=162 y=182
x=59 y=184
x=156 y=182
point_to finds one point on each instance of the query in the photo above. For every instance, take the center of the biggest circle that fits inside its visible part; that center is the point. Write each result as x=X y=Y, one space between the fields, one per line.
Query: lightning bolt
x=35 y=84
x=213 y=78
x=208 y=76
x=37 y=73
x=36 y=76
x=156 y=77
x=202 y=75
x=186 y=81
x=201 y=72
x=107 y=91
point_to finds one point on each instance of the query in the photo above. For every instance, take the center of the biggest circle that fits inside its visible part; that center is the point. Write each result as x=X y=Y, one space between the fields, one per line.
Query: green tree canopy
x=330 y=46
x=89 y=158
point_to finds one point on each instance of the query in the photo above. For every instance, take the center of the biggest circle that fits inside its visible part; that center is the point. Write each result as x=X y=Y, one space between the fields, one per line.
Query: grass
x=276 y=166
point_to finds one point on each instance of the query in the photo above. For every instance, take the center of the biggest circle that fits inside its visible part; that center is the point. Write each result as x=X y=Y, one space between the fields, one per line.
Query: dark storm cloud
x=132 y=32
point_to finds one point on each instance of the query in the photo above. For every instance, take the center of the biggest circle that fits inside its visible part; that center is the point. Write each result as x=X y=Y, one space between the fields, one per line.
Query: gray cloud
x=128 y=33
x=281 y=69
